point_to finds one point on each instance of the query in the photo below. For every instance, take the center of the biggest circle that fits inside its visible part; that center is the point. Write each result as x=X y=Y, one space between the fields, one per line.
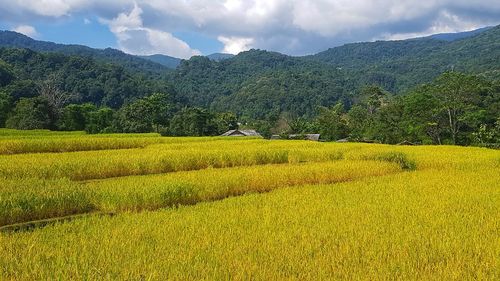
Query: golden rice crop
x=22 y=201
x=163 y=158
x=72 y=142
x=357 y=211
x=32 y=199
x=424 y=225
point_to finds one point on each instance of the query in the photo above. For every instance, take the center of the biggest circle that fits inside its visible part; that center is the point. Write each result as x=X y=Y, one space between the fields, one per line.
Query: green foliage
x=86 y=79
x=331 y=122
x=401 y=65
x=5 y=106
x=6 y=74
x=100 y=121
x=22 y=89
x=132 y=63
x=75 y=117
x=29 y=114
x=225 y=121
x=135 y=117
x=161 y=110
x=193 y=122
x=256 y=82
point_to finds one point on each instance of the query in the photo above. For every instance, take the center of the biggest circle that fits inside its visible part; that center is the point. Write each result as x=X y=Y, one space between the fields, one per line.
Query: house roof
x=247 y=133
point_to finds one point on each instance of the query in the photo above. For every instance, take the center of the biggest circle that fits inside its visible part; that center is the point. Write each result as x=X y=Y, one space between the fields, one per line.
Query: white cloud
x=136 y=39
x=51 y=8
x=445 y=23
x=86 y=21
x=235 y=45
x=293 y=26
x=26 y=30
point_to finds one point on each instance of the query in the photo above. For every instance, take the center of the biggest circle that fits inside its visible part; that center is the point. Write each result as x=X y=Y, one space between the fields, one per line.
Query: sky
x=183 y=28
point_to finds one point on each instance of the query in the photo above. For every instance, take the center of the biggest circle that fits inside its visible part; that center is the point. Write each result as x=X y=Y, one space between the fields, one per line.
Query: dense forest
x=423 y=90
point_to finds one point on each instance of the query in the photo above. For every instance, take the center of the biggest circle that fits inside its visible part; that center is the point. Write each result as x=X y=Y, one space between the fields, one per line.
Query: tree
x=5 y=107
x=225 y=121
x=457 y=94
x=136 y=117
x=193 y=121
x=422 y=119
x=388 y=123
x=373 y=97
x=6 y=74
x=161 y=110
x=100 y=121
x=75 y=117
x=33 y=113
x=358 y=122
x=332 y=122
x=22 y=89
x=56 y=98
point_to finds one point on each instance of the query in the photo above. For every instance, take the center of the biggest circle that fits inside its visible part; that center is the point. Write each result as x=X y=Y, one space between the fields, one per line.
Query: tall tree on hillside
x=193 y=122
x=422 y=118
x=458 y=95
x=100 y=121
x=373 y=97
x=56 y=97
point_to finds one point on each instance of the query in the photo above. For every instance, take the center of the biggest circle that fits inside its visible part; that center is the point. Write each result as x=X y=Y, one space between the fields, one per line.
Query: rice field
x=244 y=209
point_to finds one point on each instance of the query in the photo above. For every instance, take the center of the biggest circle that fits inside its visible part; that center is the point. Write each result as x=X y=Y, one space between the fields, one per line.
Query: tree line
x=455 y=108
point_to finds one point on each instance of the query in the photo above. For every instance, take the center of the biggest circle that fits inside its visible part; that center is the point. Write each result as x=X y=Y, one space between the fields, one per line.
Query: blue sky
x=183 y=28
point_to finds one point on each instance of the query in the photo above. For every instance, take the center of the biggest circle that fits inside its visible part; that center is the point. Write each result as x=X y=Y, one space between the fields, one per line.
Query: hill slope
x=258 y=83
x=85 y=79
x=10 y=39
x=399 y=65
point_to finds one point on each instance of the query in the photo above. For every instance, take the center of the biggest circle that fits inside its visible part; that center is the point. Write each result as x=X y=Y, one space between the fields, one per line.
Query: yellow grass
x=325 y=211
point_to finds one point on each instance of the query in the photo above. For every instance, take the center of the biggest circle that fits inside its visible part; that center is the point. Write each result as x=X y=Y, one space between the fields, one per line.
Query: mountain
x=256 y=84
x=173 y=63
x=85 y=79
x=10 y=39
x=164 y=60
x=400 y=65
x=459 y=35
x=220 y=56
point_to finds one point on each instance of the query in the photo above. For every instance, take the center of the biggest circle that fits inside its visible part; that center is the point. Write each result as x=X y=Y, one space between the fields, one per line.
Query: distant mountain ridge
x=220 y=56
x=399 y=65
x=11 y=39
x=260 y=84
x=173 y=63
x=458 y=35
x=168 y=61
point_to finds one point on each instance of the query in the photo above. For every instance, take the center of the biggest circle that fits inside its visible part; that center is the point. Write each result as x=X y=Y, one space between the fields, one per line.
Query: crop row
x=34 y=199
x=423 y=225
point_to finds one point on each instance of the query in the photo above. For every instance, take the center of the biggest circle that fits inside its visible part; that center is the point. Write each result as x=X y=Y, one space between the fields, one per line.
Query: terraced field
x=144 y=207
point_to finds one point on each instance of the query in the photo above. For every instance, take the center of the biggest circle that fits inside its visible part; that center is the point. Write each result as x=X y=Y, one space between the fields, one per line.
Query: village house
x=241 y=133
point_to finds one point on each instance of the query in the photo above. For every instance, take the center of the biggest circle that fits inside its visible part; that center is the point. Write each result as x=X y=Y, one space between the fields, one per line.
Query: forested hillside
x=82 y=78
x=10 y=39
x=380 y=91
x=256 y=83
x=400 y=65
